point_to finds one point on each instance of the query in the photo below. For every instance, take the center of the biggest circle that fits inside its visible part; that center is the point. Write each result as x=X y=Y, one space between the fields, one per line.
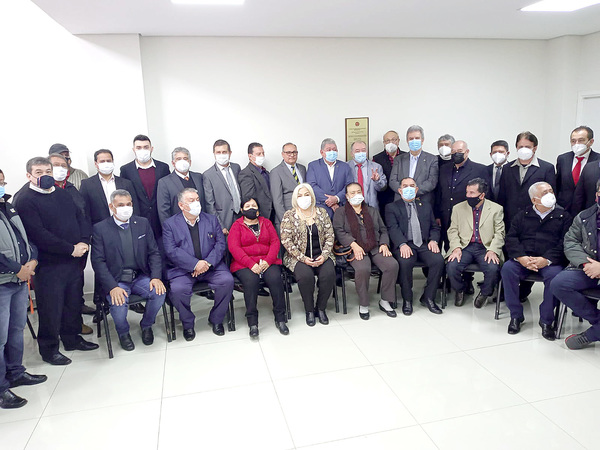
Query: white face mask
x=444 y=152
x=106 y=168
x=195 y=208
x=525 y=153
x=356 y=200
x=390 y=147
x=124 y=213
x=260 y=160
x=498 y=157
x=222 y=159
x=304 y=202
x=579 y=149
x=59 y=173
x=142 y=156
x=548 y=200
x=182 y=166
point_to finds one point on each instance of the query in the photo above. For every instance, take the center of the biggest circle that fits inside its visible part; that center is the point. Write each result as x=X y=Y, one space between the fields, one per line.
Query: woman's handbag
x=343 y=255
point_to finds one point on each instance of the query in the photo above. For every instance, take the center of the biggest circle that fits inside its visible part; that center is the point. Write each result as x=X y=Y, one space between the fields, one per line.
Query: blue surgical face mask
x=360 y=157
x=2 y=191
x=331 y=156
x=409 y=193
x=414 y=145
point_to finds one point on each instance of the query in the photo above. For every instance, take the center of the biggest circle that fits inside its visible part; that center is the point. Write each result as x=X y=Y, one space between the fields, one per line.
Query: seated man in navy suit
x=126 y=260
x=195 y=245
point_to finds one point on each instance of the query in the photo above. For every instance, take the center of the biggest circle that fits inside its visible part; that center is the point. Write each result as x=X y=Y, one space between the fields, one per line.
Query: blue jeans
x=13 y=317
x=140 y=286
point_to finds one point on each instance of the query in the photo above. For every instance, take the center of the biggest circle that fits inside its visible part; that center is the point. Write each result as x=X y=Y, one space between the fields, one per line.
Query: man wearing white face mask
x=535 y=244
x=499 y=153
x=171 y=185
x=518 y=177
x=444 y=145
x=126 y=260
x=74 y=176
x=385 y=159
x=195 y=247
x=368 y=174
x=570 y=170
x=145 y=172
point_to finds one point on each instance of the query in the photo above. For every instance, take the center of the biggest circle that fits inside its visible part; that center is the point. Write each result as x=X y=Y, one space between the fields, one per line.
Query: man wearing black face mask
x=476 y=235
x=61 y=233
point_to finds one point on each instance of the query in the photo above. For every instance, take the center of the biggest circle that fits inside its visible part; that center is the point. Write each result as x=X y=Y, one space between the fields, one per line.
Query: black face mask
x=251 y=213
x=458 y=158
x=472 y=201
x=45 y=182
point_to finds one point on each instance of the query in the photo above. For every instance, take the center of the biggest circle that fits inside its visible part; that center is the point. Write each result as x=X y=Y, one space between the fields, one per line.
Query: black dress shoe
x=82 y=345
x=310 y=319
x=217 y=328
x=469 y=288
x=283 y=328
x=459 y=299
x=548 y=331
x=364 y=316
x=189 y=334
x=523 y=299
x=253 y=331
x=431 y=305
x=480 y=301
x=147 y=336
x=26 y=379
x=515 y=325
x=391 y=313
x=57 y=359
x=407 y=308
x=126 y=342
x=9 y=400
x=138 y=308
x=263 y=292
x=323 y=319
x=85 y=309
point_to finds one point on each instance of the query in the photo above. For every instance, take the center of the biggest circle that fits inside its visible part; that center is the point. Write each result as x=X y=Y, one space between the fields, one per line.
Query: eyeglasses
x=3 y=183
x=387 y=141
x=290 y=153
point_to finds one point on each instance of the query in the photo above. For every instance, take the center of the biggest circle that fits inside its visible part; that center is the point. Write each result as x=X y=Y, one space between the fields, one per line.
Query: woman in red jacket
x=254 y=245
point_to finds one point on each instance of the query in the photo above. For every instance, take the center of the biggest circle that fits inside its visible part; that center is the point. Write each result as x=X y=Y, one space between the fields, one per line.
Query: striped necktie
x=295 y=175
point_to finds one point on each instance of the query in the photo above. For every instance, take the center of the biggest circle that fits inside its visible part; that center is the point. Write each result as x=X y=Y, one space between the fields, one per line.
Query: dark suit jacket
x=282 y=187
x=448 y=196
x=253 y=184
x=565 y=187
x=387 y=195
x=148 y=206
x=426 y=175
x=585 y=192
x=398 y=223
x=107 y=252
x=96 y=206
x=169 y=187
x=513 y=195
x=317 y=175
x=219 y=201
x=179 y=247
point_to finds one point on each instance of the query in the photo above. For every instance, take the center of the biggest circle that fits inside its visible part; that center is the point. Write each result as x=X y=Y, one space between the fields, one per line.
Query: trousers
x=305 y=276
x=13 y=317
x=251 y=284
x=362 y=274
x=473 y=253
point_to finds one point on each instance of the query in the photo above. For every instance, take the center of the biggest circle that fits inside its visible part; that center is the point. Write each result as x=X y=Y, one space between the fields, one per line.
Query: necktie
x=415 y=226
x=265 y=175
x=234 y=193
x=186 y=178
x=295 y=175
x=577 y=169
x=496 y=187
x=360 y=177
x=124 y=226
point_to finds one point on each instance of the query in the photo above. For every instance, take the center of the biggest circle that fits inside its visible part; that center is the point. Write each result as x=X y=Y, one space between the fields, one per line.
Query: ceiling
x=494 y=19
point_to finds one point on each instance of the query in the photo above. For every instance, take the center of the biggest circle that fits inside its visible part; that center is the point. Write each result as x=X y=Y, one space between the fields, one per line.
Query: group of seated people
x=153 y=233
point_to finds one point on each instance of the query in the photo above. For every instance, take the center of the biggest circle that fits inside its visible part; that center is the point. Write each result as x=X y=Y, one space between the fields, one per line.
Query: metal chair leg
x=379 y=284
x=561 y=319
x=335 y=296
x=172 y=313
x=344 y=304
x=107 y=333
x=231 y=316
x=33 y=335
x=167 y=324
x=497 y=313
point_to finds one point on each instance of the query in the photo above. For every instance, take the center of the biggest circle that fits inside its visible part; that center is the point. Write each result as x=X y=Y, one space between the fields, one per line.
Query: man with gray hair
x=329 y=177
x=444 y=145
x=534 y=244
x=181 y=178
x=284 y=179
x=368 y=174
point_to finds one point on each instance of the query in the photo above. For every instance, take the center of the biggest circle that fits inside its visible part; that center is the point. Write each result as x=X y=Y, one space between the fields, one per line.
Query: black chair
x=533 y=277
x=133 y=299
x=421 y=265
x=288 y=280
x=347 y=271
x=592 y=294
x=474 y=268
x=33 y=335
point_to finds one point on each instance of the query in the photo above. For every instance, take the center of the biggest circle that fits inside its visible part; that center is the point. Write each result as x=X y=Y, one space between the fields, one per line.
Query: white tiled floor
x=455 y=381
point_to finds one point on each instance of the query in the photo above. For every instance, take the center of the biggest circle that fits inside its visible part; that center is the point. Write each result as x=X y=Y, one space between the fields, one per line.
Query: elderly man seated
x=534 y=243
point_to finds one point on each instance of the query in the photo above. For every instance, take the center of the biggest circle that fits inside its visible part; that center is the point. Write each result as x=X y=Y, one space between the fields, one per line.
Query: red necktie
x=577 y=169
x=360 y=177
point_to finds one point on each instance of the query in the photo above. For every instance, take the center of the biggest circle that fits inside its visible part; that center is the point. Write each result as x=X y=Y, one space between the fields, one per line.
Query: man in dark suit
x=570 y=172
x=284 y=179
x=499 y=153
x=385 y=159
x=416 y=164
x=444 y=145
x=520 y=174
x=126 y=260
x=329 y=177
x=414 y=234
x=221 y=189
x=144 y=172
x=171 y=185
x=195 y=247
x=255 y=181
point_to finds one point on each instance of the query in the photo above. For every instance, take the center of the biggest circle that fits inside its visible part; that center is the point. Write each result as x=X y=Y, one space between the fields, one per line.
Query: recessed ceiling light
x=560 y=5
x=208 y=2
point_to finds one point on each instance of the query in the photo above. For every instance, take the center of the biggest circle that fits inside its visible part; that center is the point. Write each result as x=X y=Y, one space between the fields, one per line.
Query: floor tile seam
x=162 y=391
x=224 y=388
x=276 y=380
x=556 y=424
x=491 y=410
x=502 y=344
x=396 y=395
x=116 y=405
x=588 y=391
